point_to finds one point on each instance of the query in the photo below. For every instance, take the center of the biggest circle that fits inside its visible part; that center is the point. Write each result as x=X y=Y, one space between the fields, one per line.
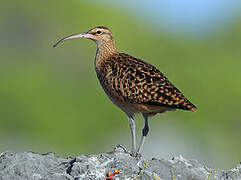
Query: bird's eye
x=98 y=32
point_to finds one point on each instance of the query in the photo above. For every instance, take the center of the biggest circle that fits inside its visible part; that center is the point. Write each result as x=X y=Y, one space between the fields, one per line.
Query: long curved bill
x=73 y=36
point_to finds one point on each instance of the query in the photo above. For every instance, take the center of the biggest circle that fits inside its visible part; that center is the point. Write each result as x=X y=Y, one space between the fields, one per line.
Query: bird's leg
x=133 y=134
x=145 y=131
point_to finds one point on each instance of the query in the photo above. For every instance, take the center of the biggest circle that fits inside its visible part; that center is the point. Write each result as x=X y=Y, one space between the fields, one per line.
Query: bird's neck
x=104 y=52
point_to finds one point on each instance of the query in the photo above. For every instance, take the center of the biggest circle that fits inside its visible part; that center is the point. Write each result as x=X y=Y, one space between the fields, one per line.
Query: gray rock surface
x=33 y=166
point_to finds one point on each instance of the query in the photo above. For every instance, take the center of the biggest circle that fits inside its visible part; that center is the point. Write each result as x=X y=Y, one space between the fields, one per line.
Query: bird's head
x=100 y=34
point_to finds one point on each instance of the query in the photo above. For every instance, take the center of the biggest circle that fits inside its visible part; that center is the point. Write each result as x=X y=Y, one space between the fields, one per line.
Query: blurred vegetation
x=51 y=99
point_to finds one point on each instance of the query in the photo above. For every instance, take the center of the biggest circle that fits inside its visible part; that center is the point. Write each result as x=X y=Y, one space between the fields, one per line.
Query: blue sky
x=186 y=16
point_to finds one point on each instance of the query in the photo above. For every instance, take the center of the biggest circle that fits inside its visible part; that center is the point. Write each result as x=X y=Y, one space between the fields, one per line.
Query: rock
x=33 y=166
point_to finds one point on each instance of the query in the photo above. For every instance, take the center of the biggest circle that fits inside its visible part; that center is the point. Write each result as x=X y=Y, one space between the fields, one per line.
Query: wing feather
x=139 y=82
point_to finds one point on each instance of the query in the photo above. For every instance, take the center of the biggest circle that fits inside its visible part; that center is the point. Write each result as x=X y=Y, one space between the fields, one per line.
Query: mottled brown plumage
x=133 y=85
x=133 y=81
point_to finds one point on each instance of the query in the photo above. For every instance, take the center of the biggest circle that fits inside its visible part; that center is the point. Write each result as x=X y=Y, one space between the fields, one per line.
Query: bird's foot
x=135 y=154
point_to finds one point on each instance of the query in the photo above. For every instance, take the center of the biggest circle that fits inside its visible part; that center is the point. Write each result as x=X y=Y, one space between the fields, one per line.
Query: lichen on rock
x=34 y=166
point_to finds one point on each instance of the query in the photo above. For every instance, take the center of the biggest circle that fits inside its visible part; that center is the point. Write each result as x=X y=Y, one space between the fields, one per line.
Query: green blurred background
x=50 y=99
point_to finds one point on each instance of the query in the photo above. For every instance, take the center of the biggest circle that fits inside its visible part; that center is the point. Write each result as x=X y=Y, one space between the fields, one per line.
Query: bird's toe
x=136 y=154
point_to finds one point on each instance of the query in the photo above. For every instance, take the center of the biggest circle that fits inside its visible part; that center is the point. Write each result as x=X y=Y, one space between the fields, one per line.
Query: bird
x=133 y=85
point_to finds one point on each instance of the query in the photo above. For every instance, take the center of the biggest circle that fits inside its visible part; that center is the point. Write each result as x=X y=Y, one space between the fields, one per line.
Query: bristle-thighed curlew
x=133 y=85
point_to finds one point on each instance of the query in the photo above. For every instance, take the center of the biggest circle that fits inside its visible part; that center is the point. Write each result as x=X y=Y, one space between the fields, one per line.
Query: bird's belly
x=132 y=108
x=129 y=108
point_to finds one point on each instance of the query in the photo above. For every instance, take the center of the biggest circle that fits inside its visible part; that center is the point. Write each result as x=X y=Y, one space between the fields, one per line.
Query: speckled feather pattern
x=134 y=81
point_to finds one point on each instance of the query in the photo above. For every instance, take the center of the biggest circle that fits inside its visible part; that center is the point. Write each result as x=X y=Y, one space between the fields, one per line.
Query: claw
x=136 y=154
